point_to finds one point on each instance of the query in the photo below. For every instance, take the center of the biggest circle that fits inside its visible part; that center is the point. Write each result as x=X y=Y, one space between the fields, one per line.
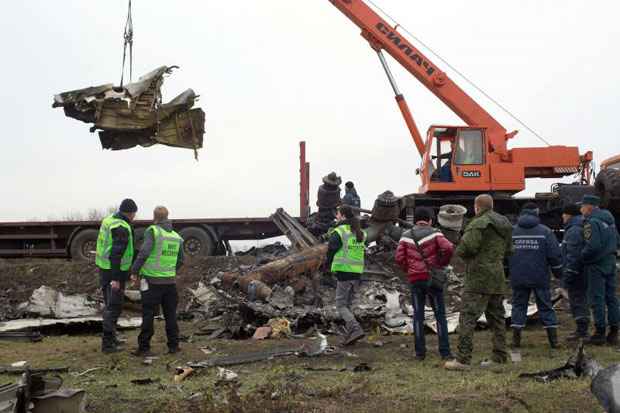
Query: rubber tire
x=78 y=243
x=197 y=242
x=607 y=186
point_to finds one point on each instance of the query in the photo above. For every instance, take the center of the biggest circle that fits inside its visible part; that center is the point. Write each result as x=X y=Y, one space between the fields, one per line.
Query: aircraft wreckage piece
x=133 y=115
x=257 y=282
x=38 y=323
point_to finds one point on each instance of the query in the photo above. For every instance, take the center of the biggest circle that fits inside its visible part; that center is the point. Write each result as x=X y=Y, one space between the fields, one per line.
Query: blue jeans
x=520 y=301
x=601 y=294
x=419 y=292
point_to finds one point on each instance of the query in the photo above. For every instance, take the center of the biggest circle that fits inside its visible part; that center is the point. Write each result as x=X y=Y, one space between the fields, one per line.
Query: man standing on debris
x=328 y=199
x=599 y=257
x=115 y=251
x=421 y=249
x=536 y=254
x=573 y=278
x=345 y=258
x=350 y=196
x=485 y=243
x=157 y=264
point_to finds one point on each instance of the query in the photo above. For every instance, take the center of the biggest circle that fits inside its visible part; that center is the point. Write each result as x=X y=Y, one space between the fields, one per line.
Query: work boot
x=581 y=333
x=354 y=336
x=456 y=365
x=552 y=336
x=598 y=338
x=142 y=353
x=612 y=336
x=516 y=338
x=174 y=350
x=112 y=349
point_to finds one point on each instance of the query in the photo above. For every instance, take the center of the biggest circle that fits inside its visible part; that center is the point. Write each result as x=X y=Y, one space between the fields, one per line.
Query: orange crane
x=461 y=159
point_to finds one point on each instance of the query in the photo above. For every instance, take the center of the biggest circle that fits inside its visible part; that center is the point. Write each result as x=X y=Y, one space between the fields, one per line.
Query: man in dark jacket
x=328 y=197
x=420 y=249
x=157 y=264
x=599 y=258
x=536 y=254
x=486 y=242
x=350 y=196
x=573 y=278
x=115 y=251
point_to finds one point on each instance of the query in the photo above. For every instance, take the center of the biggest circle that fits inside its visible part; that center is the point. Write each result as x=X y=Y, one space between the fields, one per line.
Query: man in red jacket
x=421 y=248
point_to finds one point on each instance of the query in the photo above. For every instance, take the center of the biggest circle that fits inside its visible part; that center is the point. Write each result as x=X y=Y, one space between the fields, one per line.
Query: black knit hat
x=571 y=209
x=349 y=185
x=423 y=214
x=128 y=206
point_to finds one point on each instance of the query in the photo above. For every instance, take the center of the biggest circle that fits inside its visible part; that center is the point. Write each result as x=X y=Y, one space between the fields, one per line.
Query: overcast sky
x=272 y=72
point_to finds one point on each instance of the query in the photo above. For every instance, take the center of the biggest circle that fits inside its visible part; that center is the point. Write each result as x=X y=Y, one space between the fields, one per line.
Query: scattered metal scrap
x=47 y=302
x=37 y=393
x=20 y=370
x=32 y=336
x=133 y=114
x=605 y=382
x=39 y=323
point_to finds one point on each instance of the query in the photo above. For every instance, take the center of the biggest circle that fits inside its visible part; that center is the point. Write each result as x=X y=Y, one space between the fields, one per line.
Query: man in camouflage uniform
x=599 y=259
x=485 y=243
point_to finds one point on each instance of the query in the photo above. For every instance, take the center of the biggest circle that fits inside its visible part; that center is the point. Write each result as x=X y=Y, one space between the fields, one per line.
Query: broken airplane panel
x=133 y=115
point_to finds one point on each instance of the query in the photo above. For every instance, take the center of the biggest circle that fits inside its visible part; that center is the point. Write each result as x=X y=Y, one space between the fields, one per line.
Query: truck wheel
x=197 y=243
x=84 y=245
x=607 y=186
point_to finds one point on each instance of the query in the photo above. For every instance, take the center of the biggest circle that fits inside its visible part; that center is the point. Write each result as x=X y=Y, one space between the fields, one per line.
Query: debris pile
x=134 y=115
x=39 y=392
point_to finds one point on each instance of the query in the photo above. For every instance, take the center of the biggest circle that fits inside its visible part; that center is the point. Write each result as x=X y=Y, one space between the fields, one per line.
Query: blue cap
x=591 y=200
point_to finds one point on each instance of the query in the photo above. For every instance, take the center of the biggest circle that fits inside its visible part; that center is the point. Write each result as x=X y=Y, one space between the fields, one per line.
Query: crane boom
x=478 y=158
x=382 y=36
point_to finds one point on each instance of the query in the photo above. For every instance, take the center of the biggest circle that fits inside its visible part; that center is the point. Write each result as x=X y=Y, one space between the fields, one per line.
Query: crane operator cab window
x=442 y=155
x=469 y=147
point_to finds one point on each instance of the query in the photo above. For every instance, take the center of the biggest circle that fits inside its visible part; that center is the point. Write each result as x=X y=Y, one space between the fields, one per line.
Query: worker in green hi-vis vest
x=115 y=251
x=160 y=257
x=345 y=259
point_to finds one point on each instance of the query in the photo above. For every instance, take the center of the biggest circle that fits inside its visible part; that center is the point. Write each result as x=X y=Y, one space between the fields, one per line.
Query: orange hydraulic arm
x=382 y=36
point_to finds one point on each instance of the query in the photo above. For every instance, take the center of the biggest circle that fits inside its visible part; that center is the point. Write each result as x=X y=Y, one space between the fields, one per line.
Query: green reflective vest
x=162 y=262
x=350 y=258
x=104 y=244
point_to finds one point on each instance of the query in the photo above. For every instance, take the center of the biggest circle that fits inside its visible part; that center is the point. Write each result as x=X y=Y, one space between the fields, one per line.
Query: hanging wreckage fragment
x=133 y=114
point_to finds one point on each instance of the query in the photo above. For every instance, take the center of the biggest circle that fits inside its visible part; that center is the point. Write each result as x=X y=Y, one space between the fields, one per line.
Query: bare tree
x=95 y=214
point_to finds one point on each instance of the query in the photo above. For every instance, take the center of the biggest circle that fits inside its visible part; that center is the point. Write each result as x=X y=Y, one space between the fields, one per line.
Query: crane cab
x=454 y=160
x=459 y=159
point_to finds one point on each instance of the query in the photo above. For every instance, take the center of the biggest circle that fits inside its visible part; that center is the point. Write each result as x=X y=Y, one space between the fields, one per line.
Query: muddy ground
x=395 y=381
x=19 y=278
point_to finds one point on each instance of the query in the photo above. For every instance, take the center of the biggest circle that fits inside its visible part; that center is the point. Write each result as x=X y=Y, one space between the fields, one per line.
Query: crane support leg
x=403 y=106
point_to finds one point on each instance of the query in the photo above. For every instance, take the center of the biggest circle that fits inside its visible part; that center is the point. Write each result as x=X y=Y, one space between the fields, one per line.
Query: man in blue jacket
x=537 y=254
x=573 y=278
x=599 y=259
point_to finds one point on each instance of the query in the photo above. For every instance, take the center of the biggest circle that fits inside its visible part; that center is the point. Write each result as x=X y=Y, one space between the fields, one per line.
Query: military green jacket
x=485 y=243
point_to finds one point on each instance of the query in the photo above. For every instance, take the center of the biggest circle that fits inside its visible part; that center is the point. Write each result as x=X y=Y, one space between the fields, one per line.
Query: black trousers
x=166 y=296
x=113 y=301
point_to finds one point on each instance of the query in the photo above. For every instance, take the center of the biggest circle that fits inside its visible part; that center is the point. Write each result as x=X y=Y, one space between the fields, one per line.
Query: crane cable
x=459 y=73
x=128 y=41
